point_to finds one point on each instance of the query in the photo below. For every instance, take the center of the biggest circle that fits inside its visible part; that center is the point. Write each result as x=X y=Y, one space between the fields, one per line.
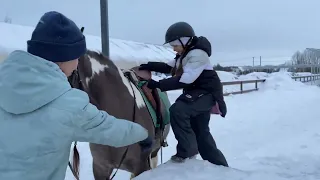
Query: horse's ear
x=82 y=29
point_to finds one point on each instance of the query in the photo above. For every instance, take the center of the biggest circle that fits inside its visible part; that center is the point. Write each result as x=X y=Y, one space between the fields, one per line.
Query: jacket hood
x=202 y=43
x=28 y=82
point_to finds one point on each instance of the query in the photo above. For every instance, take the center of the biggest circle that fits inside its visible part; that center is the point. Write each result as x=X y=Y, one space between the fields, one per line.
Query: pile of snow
x=254 y=75
x=201 y=170
x=126 y=54
x=281 y=80
x=302 y=74
x=227 y=76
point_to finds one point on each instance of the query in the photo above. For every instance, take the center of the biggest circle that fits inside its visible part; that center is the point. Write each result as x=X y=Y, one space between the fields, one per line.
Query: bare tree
x=297 y=58
x=308 y=56
x=7 y=19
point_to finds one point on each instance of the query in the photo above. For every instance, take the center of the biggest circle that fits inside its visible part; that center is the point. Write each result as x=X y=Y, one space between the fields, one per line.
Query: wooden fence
x=241 y=83
x=307 y=78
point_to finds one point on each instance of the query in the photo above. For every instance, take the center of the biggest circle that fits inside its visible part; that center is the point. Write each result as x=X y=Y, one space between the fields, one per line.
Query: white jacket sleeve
x=171 y=63
x=197 y=61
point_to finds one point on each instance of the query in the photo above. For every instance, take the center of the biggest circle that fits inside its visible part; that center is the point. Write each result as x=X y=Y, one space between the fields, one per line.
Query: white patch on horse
x=96 y=68
x=154 y=162
x=139 y=99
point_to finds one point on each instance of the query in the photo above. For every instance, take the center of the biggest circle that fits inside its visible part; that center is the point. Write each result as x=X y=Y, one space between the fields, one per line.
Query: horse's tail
x=76 y=162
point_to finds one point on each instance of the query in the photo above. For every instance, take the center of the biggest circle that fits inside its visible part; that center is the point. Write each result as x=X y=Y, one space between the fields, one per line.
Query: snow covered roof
x=122 y=52
x=314 y=50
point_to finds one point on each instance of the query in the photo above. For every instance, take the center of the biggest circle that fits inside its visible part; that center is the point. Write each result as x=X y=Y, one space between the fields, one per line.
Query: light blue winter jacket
x=41 y=115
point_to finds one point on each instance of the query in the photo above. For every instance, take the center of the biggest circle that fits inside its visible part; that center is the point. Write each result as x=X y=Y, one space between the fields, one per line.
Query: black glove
x=152 y=84
x=144 y=67
x=172 y=83
x=146 y=145
x=160 y=67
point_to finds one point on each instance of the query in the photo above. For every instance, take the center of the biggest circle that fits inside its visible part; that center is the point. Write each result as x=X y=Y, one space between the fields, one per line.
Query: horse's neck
x=110 y=87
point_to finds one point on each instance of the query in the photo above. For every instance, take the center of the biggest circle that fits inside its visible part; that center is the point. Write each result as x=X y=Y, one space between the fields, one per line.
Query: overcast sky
x=237 y=29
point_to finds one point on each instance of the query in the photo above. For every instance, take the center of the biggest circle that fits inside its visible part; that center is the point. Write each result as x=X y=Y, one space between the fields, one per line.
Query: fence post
x=241 y=87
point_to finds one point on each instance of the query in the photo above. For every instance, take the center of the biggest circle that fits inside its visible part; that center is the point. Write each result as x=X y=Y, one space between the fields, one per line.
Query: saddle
x=136 y=76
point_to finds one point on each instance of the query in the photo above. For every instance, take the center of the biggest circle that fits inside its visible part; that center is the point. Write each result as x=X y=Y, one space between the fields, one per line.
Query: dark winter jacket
x=196 y=75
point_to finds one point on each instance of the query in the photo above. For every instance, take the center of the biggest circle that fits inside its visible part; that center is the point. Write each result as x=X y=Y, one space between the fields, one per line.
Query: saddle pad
x=165 y=100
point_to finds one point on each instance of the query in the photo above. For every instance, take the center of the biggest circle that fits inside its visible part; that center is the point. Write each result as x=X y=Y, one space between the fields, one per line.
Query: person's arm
x=95 y=126
x=197 y=61
x=160 y=67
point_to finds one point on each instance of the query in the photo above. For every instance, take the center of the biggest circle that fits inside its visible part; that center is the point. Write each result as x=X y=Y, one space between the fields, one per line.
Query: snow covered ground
x=271 y=134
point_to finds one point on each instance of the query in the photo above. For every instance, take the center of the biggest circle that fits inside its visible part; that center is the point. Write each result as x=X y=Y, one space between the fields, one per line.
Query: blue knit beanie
x=57 y=38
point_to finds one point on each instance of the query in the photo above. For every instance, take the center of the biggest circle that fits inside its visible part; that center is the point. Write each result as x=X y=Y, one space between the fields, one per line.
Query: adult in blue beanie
x=58 y=39
x=41 y=115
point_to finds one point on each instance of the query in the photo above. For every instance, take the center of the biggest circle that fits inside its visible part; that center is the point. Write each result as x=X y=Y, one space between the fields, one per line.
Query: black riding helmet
x=178 y=30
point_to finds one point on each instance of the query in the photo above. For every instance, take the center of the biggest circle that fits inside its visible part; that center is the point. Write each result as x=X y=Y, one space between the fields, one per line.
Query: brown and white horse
x=110 y=90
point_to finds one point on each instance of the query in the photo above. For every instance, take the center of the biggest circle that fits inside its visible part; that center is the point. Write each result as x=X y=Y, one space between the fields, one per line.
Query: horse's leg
x=154 y=159
x=101 y=173
x=154 y=162
x=145 y=166
x=142 y=167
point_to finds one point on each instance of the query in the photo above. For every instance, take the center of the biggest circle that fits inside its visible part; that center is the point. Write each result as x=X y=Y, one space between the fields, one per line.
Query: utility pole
x=260 y=60
x=252 y=61
x=104 y=27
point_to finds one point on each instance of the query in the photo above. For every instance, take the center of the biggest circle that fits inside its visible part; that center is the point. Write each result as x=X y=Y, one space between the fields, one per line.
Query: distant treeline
x=308 y=56
x=239 y=71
